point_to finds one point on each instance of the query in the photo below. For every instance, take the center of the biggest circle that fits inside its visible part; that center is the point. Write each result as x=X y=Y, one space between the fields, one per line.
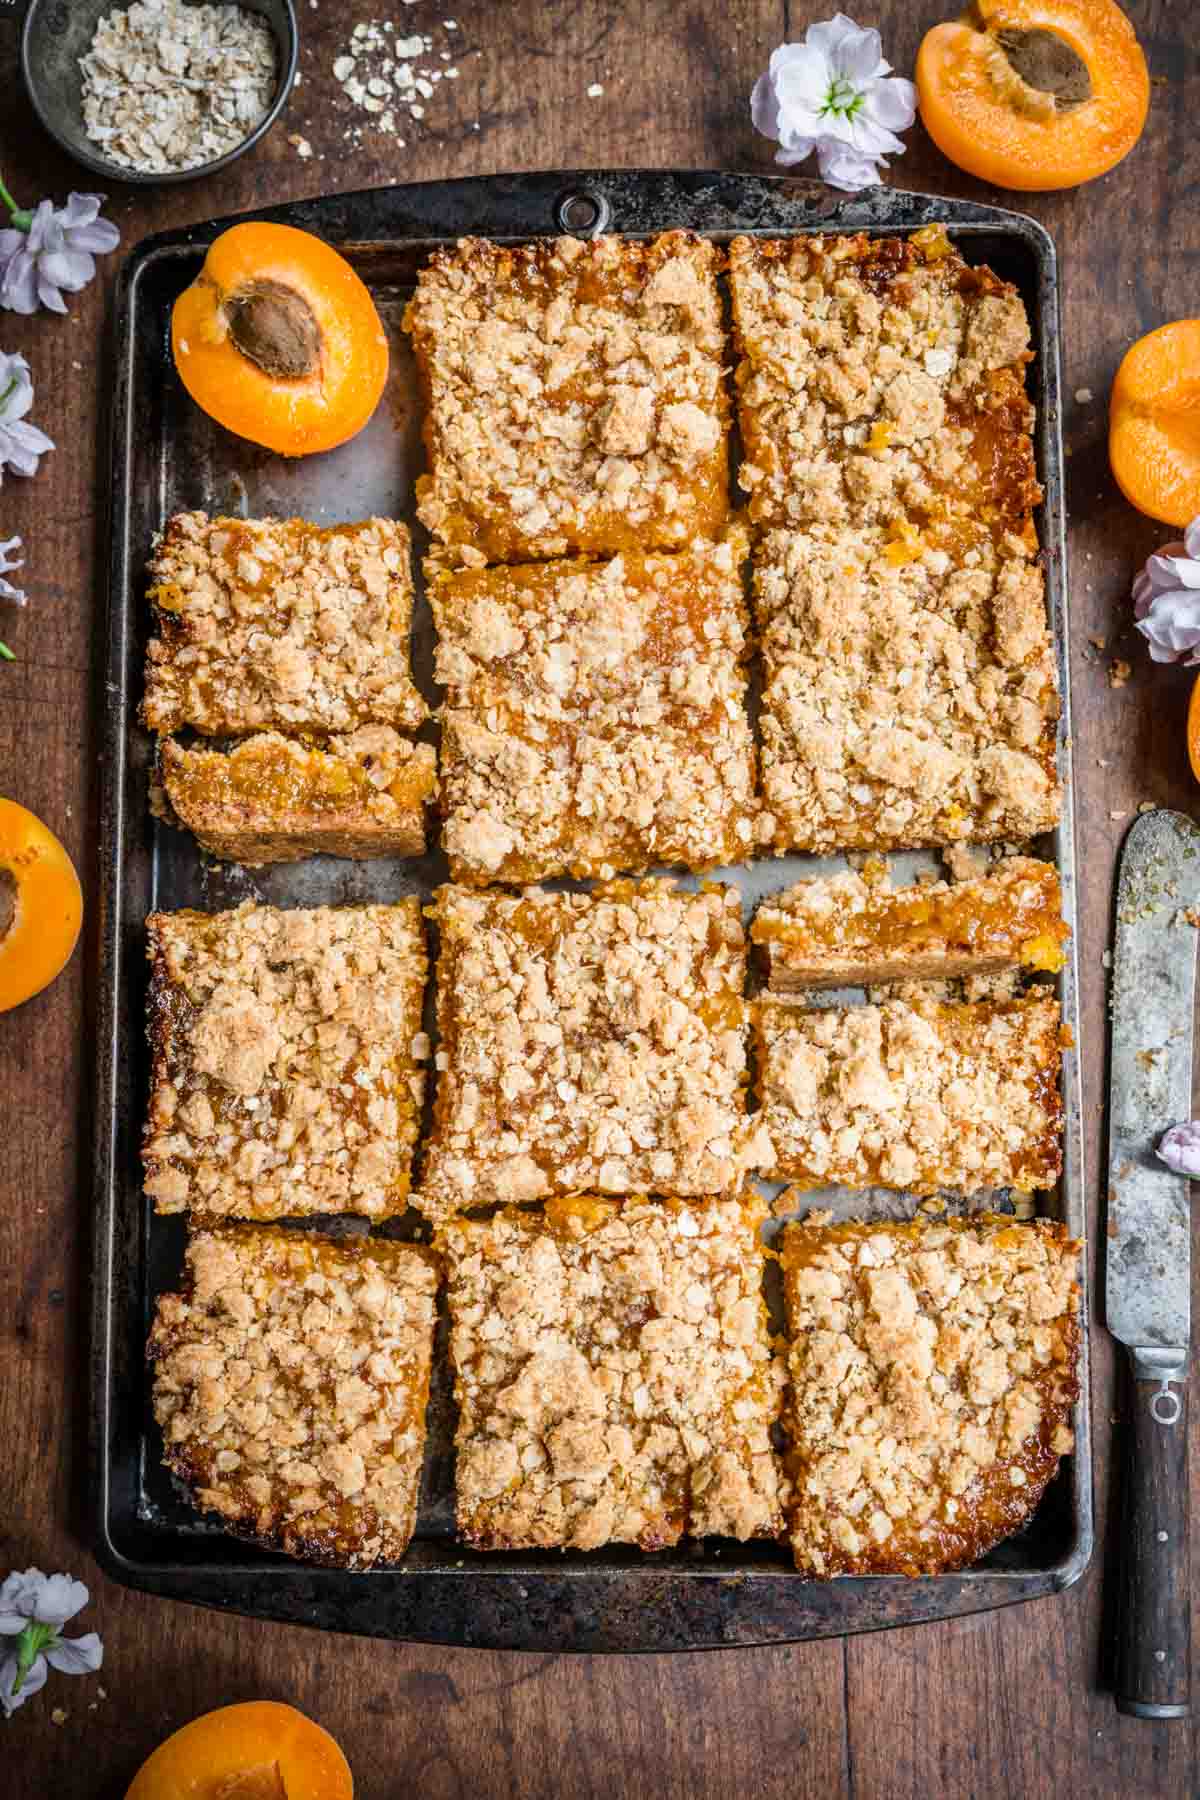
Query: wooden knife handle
x=1154 y=1648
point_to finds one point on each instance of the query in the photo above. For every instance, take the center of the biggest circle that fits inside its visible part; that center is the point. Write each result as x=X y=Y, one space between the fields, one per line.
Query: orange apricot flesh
x=1154 y=423
x=279 y=341
x=41 y=905
x=1034 y=94
x=257 y=1750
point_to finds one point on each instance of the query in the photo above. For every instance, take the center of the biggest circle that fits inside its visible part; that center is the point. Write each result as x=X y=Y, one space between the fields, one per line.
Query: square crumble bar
x=913 y=1094
x=932 y=1375
x=574 y=397
x=286 y=1049
x=880 y=379
x=909 y=700
x=278 y=623
x=595 y=720
x=271 y=799
x=290 y=1380
x=614 y=1375
x=853 y=928
x=589 y=1042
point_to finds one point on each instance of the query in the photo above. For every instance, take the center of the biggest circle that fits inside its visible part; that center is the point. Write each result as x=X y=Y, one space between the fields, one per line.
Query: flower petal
x=34 y=1682
x=842 y=166
x=59 y=1597
x=787 y=157
x=19 y=1591
x=100 y=237
x=1191 y=538
x=764 y=107
x=81 y=209
x=1171 y=624
x=41 y=226
x=49 y=295
x=1179 y=1148
x=828 y=36
x=859 y=56
x=892 y=104
x=18 y=289
x=76 y=1656
x=69 y=269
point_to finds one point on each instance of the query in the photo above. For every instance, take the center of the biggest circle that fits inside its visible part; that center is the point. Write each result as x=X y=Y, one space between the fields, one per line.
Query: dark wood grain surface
x=1011 y=1703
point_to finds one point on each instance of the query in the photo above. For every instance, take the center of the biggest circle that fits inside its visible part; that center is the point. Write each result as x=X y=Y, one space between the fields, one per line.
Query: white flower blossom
x=51 y=251
x=9 y=562
x=21 y=444
x=33 y=1610
x=836 y=95
x=1179 y=1148
x=1166 y=599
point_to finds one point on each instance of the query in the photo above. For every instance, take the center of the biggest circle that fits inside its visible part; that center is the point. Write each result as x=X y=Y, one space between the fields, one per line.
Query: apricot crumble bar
x=290 y=1381
x=907 y=702
x=933 y=1372
x=917 y=1094
x=854 y=928
x=286 y=1052
x=278 y=623
x=880 y=379
x=272 y=799
x=595 y=718
x=614 y=1376
x=588 y=1042
x=575 y=396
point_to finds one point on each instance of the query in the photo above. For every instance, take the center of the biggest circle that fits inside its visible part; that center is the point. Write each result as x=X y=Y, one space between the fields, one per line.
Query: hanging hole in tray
x=584 y=213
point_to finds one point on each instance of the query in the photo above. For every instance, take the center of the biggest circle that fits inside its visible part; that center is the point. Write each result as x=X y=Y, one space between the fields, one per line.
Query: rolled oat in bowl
x=169 y=86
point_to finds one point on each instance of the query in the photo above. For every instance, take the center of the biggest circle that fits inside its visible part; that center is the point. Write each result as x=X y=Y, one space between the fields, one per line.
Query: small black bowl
x=58 y=32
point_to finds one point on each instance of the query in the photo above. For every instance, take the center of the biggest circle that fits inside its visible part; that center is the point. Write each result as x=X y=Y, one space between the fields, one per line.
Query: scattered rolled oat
x=1119 y=672
x=170 y=86
x=390 y=78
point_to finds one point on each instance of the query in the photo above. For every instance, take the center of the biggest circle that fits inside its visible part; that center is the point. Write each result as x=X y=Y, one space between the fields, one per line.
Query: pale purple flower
x=1166 y=600
x=8 y=562
x=836 y=95
x=1179 y=1148
x=33 y=1610
x=51 y=251
x=21 y=444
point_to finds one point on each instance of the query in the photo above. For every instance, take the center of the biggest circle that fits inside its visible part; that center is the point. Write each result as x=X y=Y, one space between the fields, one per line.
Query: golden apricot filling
x=1011 y=916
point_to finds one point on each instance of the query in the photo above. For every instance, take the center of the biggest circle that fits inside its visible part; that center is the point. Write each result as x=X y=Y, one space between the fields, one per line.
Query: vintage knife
x=1147 y=1251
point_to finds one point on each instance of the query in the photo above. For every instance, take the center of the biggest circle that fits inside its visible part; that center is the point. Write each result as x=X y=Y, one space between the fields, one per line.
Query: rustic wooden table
x=1010 y=1703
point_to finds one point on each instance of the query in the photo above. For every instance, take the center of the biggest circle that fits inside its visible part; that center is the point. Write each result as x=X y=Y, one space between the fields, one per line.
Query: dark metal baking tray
x=165 y=456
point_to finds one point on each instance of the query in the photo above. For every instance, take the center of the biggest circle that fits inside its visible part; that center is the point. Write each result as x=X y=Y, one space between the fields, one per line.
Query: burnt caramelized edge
x=1058 y=1386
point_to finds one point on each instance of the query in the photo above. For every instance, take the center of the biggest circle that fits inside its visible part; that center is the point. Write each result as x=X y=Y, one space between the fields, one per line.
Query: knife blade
x=1147 y=1249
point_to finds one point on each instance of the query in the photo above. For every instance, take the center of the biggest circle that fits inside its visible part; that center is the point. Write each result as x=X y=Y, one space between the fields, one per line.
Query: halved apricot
x=1033 y=94
x=278 y=340
x=258 y=1750
x=41 y=905
x=1193 y=728
x=1154 y=423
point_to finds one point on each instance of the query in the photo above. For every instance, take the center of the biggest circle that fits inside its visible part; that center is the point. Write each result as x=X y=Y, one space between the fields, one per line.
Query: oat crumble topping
x=271 y=799
x=588 y=1042
x=906 y=703
x=595 y=719
x=933 y=1372
x=290 y=1381
x=575 y=396
x=875 y=383
x=286 y=1050
x=852 y=928
x=916 y=1094
x=614 y=1376
x=278 y=622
